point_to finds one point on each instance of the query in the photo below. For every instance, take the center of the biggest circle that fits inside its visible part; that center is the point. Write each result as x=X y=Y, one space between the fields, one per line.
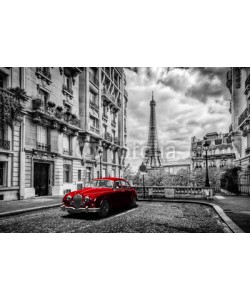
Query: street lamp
x=100 y=155
x=205 y=147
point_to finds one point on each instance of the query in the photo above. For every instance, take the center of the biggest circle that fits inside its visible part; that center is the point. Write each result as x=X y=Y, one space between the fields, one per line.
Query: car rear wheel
x=104 y=209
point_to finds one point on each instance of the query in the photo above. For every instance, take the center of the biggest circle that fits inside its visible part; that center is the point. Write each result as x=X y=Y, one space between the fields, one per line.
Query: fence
x=174 y=192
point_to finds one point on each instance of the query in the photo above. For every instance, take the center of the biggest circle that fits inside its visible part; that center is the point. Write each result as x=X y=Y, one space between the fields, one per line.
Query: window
x=88 y=174
x=113 y=157
x=104 y=110
x=104 y=155
x=93 y=98
x=68 y=81
x=67 y=145
x=94 y=122
x=44 y=96
x=79 y=175
x=42 y=138
x=104 y=128
x=3 y=173
x=1 y=81
x=66 y=173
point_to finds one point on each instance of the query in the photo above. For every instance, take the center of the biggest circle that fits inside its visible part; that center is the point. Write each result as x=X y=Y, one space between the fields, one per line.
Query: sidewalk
x=20 y=206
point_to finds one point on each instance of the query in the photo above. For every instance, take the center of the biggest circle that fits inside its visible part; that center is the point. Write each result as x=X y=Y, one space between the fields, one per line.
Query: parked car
x=102 y=195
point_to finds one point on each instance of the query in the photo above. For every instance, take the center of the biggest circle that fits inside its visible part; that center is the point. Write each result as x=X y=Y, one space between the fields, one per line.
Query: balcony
x=4 y=144
x=105 y=117
x=67 y=91
x=107 y=136
x=247 y=85
x=95 y=130
x=67 y=152
x=243 y=117
x=93 y=79
x=44 y=74
x=247 y=151
x=94 y=105
x=218 y=142
x=108 y=98
x=126 y=93
x=43 y=147
x=116 y=141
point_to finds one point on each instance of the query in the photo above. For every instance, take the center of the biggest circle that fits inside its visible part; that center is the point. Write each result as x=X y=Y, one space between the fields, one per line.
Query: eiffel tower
x=152 y=158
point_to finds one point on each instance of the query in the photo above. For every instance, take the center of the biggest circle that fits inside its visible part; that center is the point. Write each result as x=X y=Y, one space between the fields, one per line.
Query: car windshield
x=101 y=183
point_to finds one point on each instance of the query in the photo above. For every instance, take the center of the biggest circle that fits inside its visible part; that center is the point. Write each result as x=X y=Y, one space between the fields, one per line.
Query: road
x=147 y=217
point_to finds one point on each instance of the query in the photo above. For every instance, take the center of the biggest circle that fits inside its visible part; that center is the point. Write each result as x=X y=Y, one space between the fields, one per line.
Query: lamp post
x=205 y=147
x=100 y=155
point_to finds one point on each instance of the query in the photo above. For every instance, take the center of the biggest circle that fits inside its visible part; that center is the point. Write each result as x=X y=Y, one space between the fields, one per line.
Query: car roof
x=110 y=178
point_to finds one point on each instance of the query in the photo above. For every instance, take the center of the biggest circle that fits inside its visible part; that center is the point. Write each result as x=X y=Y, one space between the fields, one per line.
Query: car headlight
x=87 y=199
x=69 y=198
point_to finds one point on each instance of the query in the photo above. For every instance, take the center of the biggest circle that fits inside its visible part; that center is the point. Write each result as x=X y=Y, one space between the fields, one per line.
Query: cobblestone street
x=147 y=217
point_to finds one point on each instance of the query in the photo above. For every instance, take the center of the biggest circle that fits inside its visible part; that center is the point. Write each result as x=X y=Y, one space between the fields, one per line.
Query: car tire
x=133 y=202
x=104 y=209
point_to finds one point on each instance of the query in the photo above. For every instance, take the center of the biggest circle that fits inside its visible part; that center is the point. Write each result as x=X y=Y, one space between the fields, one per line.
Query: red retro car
x=102 y=195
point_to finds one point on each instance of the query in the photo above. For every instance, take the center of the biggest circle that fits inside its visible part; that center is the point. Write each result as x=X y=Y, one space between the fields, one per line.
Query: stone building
x=53 y=138
x=220 y=153
x=103 y=113
x=172 y=167
x=238 y=83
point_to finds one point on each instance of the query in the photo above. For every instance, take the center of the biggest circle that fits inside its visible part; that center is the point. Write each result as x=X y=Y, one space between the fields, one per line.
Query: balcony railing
x=43 y=147
x=67 y=90
x=94 y=105
x=116 y=141
x=243 y=116
x=43 y=73
x=67 y=152
x=247 y=84
x=96 y=130
x=4 y=144
x=109 y=97
x=107 y=136
x=105 y=117
x=218 y=142
x=125 y=93
x=94 y=79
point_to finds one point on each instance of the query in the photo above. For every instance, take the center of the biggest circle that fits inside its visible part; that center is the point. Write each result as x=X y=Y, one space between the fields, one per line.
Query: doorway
x=41 y=179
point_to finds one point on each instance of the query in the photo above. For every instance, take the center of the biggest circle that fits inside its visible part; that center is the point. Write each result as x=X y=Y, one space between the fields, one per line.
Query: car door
x=126 y=193
x=118 y=195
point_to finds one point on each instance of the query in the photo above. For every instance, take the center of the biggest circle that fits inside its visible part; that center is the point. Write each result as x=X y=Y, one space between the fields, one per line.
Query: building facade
x=238 y=83
x=173 y=167
x=53 y=140
x=220 y=153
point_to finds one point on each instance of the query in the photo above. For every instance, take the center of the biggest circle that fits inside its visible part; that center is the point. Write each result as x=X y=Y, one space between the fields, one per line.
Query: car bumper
x=80 y=210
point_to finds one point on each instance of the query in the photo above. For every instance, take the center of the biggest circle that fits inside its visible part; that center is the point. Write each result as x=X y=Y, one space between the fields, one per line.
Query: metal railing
x=67 y=90
x=43 y=147
x=243 y=116
x=67 y=152
x=94 y=105
x=44 y=72
x=4 y=144
x=96 y=130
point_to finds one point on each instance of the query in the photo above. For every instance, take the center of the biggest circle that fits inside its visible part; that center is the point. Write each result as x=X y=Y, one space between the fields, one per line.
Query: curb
x=232 y=226
x=21 y=211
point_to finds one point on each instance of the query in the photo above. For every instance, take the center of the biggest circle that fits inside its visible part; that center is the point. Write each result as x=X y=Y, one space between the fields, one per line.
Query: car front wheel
x=104 y=209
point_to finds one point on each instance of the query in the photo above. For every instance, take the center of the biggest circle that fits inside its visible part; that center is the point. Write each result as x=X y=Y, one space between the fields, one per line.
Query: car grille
x=77 y=201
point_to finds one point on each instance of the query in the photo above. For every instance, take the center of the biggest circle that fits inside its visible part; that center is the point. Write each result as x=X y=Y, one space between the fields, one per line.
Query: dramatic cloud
x=190 y=102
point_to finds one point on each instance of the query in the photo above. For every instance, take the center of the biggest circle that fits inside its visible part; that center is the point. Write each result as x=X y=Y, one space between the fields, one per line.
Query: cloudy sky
x=190 y=102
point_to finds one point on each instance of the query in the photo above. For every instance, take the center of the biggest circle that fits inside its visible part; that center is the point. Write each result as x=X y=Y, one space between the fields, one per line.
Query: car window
x=117 y=184
x=124 y=184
